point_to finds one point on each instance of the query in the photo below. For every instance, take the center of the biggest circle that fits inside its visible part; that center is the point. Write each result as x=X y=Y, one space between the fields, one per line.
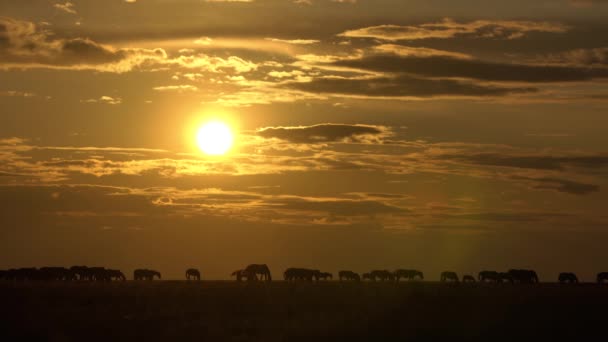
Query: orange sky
x=367 y=134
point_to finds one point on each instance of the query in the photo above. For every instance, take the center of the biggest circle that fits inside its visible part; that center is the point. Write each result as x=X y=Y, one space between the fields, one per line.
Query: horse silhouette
x=602 y=277
x=145 y=274
x=449 y=277
x=382 y=275
x=468 y=279
x=407 y=274
x=259 y=269
x=349 y=275
x=567 y=278
x=489 y=276
x=300 y=274
x=523 y=276
x=193 y=274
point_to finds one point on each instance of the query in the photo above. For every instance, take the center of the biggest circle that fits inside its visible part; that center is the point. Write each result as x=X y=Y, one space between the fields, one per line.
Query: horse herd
x=261 y=272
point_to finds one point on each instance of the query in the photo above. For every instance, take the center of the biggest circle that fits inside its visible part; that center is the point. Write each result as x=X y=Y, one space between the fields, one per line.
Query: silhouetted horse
x=408 y=274
x=301 y=274
x=602 y=277
x=567 y=278
x=349 y=275
x=449 y=276
x=468 y=279
x=523 y=276
x=193 y=274
x=261 y=269
x=489 y=276
x=145 y=274
x=382 y=275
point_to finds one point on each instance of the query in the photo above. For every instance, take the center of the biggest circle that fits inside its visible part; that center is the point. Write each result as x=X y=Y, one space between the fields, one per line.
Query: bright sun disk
x=214 y=138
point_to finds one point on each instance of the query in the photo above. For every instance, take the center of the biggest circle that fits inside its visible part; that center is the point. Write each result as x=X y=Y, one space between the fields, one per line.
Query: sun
x=214 y=138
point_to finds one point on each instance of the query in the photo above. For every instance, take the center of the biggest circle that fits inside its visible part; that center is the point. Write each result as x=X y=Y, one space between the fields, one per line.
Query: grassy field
x=228 y=311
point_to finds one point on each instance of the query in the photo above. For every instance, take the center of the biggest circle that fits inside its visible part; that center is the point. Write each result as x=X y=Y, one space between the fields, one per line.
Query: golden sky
x=432 y=134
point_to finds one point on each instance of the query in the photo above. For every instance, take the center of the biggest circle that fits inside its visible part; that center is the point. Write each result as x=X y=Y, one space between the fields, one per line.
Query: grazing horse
x=261 y=269
x=407 y=274
x=382 y=275
x=468 y=279
x=349 y=275
x=567 y=278
x=145 y=274
x=302 y=274
x=193 y=274
x=602 y=277
x=449 y=276
x=489 y=276
x=523 y=276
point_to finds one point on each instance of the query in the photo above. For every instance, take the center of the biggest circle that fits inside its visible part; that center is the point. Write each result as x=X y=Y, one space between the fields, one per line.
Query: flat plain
x=280 y=311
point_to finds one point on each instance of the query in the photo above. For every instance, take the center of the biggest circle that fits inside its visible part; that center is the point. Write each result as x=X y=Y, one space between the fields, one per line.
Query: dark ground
x=227 y=311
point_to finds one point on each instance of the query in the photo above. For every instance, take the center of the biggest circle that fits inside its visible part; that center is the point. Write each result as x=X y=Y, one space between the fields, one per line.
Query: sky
x=368 y=134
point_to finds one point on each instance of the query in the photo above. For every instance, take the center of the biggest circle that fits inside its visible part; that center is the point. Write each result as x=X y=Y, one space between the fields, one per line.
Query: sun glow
x=214 y=138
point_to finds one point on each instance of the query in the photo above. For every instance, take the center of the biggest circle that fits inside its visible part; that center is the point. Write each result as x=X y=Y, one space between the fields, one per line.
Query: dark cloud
x=403 y=86
x=322 y=133
x=563 y=185
x=337 y=207
x=539 y=162
x=441 y=66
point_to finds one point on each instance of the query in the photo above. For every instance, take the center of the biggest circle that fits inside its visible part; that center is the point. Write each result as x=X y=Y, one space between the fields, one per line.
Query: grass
x=228 y=311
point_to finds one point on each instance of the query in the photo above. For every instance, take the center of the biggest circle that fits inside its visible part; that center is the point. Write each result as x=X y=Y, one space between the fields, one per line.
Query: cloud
x=16 y=93
x=597 y=57
x=25 y=45
x=325 y=133
x=408 y=51
x=404 y=86
x=444 y=66
x=178 y=88
x=104 y=99
x=538 y=162
x=564 y=185
x=67 y=7
x=448 y=28
x=294 y=41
